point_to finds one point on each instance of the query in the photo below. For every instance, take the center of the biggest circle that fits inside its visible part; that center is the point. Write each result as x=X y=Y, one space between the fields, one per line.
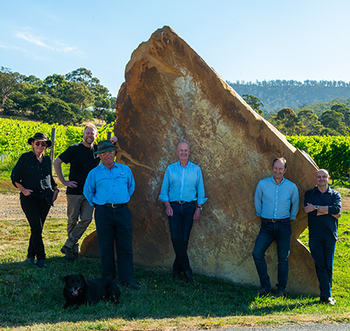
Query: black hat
x=104 y=146
x=40 y=136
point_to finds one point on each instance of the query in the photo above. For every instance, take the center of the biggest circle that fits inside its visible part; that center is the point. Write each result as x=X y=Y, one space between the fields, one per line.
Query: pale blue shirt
x=105 y=185
x=276 y=201
x=183 y=183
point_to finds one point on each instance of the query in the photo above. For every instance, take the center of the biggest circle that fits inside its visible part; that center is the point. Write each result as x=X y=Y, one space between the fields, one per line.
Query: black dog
x=79 y=291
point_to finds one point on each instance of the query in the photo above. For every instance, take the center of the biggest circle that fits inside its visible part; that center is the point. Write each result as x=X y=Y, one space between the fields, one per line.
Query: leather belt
x=181 y=202
x=115 y=205
x=274 y=220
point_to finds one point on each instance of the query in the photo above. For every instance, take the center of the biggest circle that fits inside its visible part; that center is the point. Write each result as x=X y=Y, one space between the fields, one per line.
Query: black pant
x=180 y=228
x=114 y=229
x=36 y=211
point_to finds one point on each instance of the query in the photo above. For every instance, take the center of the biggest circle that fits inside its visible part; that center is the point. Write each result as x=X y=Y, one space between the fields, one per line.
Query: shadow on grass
x=33 y=295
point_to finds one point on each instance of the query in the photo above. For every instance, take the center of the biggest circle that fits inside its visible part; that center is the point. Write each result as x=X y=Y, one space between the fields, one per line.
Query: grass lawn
x=31 y=298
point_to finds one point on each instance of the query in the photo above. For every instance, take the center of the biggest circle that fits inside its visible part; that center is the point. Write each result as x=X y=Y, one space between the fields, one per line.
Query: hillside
x=277 y=94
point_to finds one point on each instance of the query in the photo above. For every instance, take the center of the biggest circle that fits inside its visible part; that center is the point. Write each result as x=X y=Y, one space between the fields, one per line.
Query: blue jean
x=113 y=225
x=280 y=232
x=180 y=225
x=322 y=250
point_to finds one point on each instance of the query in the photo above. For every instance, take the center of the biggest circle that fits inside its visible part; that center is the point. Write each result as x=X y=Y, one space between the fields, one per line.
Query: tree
x=101 y=107
x=84 y=76
x=79 y=94
x=37 y=104
x=310 y=121
x=55 y=86
x=334 y=120
x=329 y=132
x=78 y=113
x=113 y=101
x=58 y=112
x=110 y=117
x=32 y=80
x=80 y=75
x=287 y=121
x=8 y=83
x=253 y=102
x=341 y=108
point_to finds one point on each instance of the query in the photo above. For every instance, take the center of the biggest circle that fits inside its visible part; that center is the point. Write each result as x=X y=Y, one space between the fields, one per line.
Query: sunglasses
x=38 y=143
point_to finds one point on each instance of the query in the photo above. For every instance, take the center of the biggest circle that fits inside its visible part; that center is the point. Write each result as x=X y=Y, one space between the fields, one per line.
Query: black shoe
x=132 y=284
x=176 y=274
x=75 y=250
x=263 y=292
x=328 y=301
x=67 y=252
x=41 y=264
x=280 y=294
x=188 y=276
x=31 y=260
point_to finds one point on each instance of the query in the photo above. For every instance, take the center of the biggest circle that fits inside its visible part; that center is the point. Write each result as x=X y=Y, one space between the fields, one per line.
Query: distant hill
x=277 y=94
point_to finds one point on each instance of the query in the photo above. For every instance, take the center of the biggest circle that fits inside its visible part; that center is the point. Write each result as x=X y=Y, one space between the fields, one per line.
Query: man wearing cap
x=323 y=206
x=109 y=187
x=276 y=201
x=82 y=159
x=183 y=195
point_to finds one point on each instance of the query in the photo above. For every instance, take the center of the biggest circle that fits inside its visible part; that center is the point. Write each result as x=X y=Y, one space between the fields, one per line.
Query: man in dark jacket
x=323 y=205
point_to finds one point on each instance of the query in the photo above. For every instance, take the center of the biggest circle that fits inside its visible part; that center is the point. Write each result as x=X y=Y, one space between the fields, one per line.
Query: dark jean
x=180 y=225
x=36 y=211
x=280 y=232
x=114 y=225
x=322 y=250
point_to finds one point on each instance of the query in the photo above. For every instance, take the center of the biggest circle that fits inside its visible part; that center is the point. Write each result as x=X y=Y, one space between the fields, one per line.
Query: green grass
x=31 y=298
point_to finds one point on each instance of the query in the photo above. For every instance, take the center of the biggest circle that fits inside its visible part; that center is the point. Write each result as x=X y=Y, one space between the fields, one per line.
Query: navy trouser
x=115 y=225
x=36 y=211
x=322 y=250
x=280 y=232
x=180 y=225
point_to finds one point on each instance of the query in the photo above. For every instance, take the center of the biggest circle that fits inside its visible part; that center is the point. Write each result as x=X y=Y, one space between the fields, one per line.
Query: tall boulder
x=170 y=94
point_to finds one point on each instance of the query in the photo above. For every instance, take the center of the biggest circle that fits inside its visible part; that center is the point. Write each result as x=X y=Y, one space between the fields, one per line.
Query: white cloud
x=40 y=41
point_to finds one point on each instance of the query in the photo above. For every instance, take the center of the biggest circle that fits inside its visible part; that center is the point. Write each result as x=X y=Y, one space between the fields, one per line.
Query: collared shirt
x=320 y=225
x=276 y=201
x=34 y=175
x=183 y=183
x=105 y=185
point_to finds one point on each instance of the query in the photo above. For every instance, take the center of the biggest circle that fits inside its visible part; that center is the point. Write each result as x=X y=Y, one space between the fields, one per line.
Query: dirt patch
x=345 y=203
x=10 y=207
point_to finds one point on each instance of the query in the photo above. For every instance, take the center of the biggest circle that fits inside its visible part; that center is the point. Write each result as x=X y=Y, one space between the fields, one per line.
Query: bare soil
x=10 y=207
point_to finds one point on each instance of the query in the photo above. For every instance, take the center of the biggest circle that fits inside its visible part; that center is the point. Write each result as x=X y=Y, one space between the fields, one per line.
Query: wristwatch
x=316 y=207
x=200 y=207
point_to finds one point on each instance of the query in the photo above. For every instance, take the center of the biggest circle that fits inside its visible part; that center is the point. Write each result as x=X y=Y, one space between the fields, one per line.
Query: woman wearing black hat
x=32 y=175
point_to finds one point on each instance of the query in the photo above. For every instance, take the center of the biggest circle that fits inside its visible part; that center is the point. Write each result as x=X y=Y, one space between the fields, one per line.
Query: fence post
x=52 y=150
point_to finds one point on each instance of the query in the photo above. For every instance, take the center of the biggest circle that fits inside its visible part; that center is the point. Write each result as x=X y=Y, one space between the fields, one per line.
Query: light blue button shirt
x=105 y=185
x=183 y=183
x=276 y=201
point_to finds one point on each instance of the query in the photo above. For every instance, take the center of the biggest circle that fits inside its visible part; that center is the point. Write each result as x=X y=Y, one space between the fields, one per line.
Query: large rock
x=171 y=94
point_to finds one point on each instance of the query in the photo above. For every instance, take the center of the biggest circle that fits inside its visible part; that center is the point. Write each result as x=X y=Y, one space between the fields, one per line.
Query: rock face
x=171 y=94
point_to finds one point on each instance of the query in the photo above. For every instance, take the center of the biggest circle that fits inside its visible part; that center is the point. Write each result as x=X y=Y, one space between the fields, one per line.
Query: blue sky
x=242 y=40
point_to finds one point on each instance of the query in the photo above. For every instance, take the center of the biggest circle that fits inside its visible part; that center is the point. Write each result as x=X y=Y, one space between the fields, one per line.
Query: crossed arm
x=322 y=210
